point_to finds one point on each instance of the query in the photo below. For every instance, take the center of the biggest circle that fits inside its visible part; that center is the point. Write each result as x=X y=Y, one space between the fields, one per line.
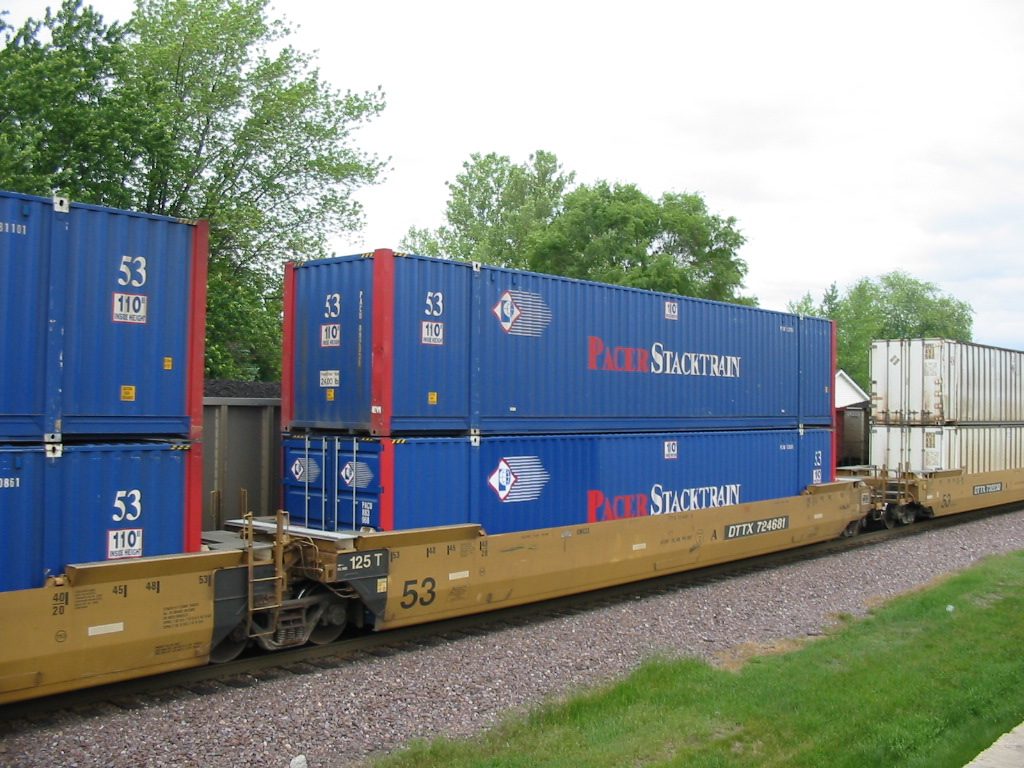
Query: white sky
x=847 y=139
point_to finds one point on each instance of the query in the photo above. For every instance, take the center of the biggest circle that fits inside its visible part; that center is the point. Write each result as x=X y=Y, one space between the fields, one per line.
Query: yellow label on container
x=431 y=398
x=168 y=363
x=330 y=395
x=127 y=393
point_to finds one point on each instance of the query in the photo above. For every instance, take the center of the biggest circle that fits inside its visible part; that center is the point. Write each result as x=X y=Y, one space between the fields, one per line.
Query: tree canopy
x=893 y=306
x=617 y=234
x=192 y=110
x=494 y=206
x=527 y=216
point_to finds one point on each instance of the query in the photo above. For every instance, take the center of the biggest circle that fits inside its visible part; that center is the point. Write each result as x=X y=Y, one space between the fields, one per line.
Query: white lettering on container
x=130 y=308
x=13 y=228
x=667 y=501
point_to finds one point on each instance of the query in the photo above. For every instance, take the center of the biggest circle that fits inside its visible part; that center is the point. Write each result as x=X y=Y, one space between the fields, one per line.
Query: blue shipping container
x=385 y=344
x=94 y=502
x=103 y=314
x=526 y=482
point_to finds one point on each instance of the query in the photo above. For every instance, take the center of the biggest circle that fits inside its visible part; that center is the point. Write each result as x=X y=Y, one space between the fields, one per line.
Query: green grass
x=914 y=685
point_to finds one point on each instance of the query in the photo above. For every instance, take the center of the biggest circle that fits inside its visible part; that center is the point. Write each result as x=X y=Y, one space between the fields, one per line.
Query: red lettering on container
x=600 y=357
x=601 y=507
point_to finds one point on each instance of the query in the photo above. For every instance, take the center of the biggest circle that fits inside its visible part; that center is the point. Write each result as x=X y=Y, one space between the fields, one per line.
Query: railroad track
x=257 y=667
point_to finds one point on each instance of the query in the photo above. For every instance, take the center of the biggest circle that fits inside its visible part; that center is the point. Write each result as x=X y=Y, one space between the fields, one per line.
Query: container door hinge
x=61 y=204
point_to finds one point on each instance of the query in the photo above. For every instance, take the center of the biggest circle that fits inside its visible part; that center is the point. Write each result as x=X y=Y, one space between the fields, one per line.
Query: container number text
x=13 y=228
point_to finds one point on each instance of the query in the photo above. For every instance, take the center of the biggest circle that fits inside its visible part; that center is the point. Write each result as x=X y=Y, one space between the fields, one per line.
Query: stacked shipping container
x=471 y=374
x=946 y=405
x=101 y=366
x=409 y=345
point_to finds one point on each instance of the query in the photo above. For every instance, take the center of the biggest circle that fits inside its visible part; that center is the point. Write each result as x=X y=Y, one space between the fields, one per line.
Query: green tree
x=61 y=124
x=617 y=234
x=201 y=110
x=494 y=207
x=894 y=306
x=525 y=216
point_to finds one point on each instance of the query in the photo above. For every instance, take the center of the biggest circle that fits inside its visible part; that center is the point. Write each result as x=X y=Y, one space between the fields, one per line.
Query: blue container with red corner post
x=103 y=312
x=61 y=505
x=386 y=344
x=523 y=482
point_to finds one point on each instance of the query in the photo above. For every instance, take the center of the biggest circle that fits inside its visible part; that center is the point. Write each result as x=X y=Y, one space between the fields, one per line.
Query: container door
x=329 y=335
x=430 y=372
x=114 y=502
x=126 y=323
x=308 y=481
x=816 y=377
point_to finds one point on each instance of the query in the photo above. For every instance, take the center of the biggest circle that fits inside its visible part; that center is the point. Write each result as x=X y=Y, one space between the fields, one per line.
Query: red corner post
x=835 y=413
x=195 y=376
x=288 y=349
x=387 y=484
x=382 y=360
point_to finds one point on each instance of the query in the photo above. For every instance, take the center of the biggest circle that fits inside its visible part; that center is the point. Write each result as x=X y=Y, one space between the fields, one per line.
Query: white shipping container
x=937 y=381
x=973 y=448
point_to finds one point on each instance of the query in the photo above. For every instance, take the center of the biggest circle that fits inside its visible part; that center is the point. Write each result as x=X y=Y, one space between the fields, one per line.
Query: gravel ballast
x=340 y=716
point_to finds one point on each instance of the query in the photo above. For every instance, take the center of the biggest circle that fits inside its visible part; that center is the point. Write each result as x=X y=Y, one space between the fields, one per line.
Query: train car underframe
x=274 y=585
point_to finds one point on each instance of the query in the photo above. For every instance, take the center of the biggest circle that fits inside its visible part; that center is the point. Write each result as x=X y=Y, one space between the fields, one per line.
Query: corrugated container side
x=405 y=345
x=589 y=357
x=937 y=381
x=104 y=323
x=329 y=339
x=127 y=318
x=22 y=517
x=95 y=502
x=518 y=483
x=974 y=448
x=24 y=279
x=338 y=483
x=816 y=369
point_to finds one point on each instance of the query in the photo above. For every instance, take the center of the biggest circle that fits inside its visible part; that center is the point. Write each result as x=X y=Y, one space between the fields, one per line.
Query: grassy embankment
x=929 y=680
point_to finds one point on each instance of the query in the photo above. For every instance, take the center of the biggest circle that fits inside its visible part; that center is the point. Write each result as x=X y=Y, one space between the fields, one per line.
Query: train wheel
x=231 y=647
x=331 y=624
x=889 y=518
x=907 y=515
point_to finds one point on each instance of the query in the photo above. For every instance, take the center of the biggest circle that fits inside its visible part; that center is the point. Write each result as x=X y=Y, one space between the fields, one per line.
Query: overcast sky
x=847 y=139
